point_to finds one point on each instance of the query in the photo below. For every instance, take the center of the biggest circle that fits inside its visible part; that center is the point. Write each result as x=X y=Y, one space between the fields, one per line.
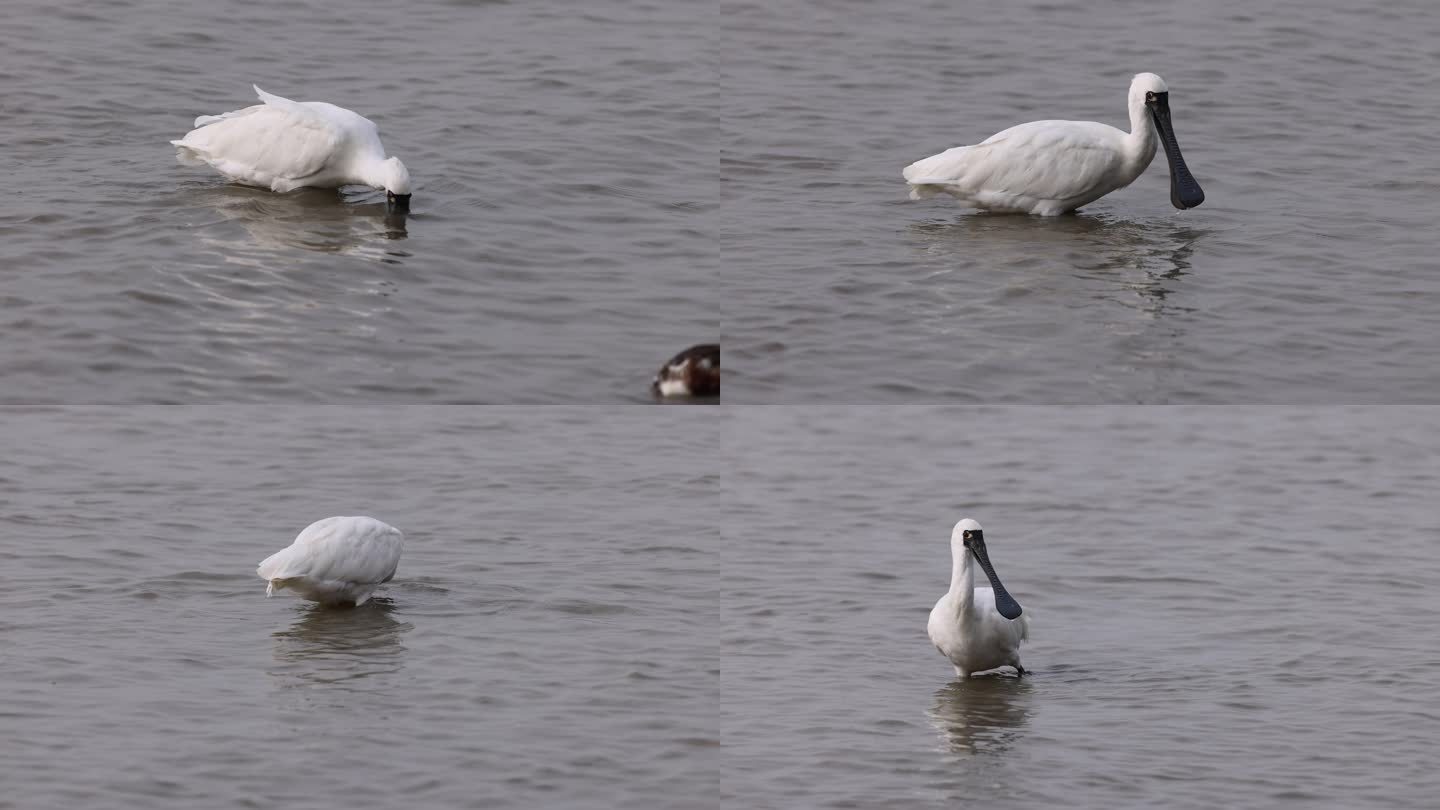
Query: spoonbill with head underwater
x=336 y=561
x=978 y=629
x=283 y=145
x=1052 y=167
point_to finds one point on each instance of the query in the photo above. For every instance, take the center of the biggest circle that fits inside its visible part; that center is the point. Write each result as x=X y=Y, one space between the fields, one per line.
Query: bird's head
x=1146 y=87
x=967 y=534
x=397 y=182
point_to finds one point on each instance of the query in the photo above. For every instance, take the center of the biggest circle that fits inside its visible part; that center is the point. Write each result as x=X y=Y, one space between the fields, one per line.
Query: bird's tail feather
x=205 y=120
x=188 y=155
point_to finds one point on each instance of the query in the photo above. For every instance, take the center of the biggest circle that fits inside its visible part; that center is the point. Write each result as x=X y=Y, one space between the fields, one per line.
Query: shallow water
x=545 y=641
x=1306 y=276
x=1230 y=607
x=559 y=248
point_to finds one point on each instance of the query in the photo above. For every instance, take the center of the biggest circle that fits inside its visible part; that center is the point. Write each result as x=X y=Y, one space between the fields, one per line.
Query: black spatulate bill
x=1004 y=602
x=1184 y=191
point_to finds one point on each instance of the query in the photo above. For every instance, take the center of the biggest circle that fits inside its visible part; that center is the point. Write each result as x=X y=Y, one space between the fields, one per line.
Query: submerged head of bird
x=396 y=180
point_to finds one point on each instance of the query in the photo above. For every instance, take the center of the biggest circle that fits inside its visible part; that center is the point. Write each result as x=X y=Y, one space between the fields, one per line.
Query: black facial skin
x=1004 y=602
x=401 y=202
x=1184 y=191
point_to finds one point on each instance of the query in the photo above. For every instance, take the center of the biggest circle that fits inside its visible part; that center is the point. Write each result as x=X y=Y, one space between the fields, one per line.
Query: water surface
x=545 y=642
x=1230 y=608
x=559 y=248
x=1306 y=276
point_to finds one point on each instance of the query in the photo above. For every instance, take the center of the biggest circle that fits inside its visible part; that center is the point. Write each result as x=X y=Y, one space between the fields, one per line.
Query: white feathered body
x=338 y=560
x=965 y=625
x=1043 y=167
x=978 y=638
x=283 y=145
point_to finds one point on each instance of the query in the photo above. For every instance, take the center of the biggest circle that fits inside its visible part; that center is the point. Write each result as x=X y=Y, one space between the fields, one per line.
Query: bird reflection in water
x=329 y=645
x=318 y=220
x=1138 y=263
x=981 y=715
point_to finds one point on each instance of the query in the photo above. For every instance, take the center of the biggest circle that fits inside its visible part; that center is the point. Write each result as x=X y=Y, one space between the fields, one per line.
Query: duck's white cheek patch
x=671 y=387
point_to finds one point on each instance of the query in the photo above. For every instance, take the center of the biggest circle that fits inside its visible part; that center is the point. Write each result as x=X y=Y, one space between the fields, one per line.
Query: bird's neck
x=372 y=172
x=962 y=580
x=1141 y=141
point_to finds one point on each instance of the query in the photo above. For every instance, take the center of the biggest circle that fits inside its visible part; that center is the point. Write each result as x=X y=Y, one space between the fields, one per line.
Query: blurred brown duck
x=694 y=372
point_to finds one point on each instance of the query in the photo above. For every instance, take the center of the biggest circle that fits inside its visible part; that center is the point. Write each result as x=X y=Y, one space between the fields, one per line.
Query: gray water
x=1230 y=608
x=1230 y=605
x=559 y=248
x=1308 y=275
x=546 y=641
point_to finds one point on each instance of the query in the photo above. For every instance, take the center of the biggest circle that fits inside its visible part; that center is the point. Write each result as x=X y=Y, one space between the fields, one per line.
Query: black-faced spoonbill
x=976 y=628
x=283 y=145
x=1051 y=167
x=336 y=561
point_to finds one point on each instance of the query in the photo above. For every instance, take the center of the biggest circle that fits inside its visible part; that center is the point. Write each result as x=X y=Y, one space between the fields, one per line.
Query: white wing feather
x=276 y=144
x=339 y=549
x=1050 y=160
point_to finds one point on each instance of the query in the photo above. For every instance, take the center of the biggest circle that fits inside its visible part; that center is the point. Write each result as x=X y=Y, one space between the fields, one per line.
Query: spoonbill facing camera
x=336 y=561
x=283 y=145
x=1052 y=167
x=978 y=629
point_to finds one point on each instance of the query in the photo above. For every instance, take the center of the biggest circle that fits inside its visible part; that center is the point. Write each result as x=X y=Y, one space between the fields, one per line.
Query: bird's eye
x=967 y=535
x=1149 y=96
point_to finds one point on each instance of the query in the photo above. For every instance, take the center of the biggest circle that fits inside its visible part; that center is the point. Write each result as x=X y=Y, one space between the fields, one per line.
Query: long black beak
x=1004 y=602
x=1184 y=191
x=399 y=202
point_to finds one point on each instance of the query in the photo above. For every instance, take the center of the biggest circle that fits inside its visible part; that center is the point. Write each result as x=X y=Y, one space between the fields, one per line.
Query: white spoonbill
x=976 y=628
x=336 y=561
x=283 y=145
x=1051 y=167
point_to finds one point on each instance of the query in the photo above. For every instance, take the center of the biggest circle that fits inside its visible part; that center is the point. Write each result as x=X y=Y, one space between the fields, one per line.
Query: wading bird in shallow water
x=976 y=628
x=694 y=372
x=1051 y=167
x=283 y=145
x=336 y=561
